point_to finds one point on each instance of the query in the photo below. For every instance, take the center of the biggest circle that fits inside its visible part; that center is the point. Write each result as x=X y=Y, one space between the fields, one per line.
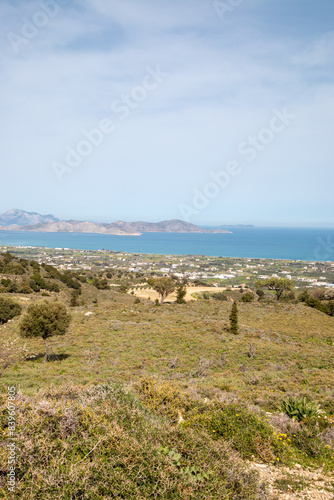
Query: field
x=149 y=293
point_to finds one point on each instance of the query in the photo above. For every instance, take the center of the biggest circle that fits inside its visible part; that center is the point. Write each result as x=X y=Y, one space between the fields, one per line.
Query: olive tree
x=45 y=319
x=164 y=286
x=8 y=309
x=279 y=285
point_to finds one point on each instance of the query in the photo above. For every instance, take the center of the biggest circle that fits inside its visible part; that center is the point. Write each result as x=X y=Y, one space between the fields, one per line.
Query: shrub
x=288 y=297
x=244 y=430
x=247 y=297
x=163 y=398
x=317 y=304
x=8 y=309
x=74 y=302
x=219 y=296
x=100 y=442
x=304 y=296
x=300 y=409
x=181 y=292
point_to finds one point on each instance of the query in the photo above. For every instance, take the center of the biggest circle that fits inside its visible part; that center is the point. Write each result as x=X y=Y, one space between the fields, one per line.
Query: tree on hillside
x=45 y=319
x=234 y=319
x=279 y=285
x=8 y=309
x=164 y=286
x=181 y=292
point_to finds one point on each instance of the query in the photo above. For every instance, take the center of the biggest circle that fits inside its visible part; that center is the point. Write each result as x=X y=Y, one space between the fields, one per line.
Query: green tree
x=247 y=297
x=8 y=309
x=279 y=285
x=181 y=292
x=45 y=319
x=164 y=286
x=234 y=319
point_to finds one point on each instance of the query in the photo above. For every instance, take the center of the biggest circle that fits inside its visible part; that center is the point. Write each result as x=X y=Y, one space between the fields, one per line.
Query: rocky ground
x=297 y=483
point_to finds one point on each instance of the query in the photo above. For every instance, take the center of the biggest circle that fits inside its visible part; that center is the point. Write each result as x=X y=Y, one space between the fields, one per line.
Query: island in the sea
x=19 y=220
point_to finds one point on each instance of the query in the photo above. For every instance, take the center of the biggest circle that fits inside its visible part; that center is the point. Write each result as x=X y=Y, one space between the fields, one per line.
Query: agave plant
x=300 y=409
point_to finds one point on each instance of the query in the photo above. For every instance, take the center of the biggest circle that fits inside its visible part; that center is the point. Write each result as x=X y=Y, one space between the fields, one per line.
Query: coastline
x=287 y=244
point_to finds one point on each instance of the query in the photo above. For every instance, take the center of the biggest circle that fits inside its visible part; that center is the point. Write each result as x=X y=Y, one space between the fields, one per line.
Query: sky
x=214 y=112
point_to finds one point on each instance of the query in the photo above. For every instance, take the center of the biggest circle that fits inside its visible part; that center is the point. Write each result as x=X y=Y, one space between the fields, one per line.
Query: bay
x=270 y=243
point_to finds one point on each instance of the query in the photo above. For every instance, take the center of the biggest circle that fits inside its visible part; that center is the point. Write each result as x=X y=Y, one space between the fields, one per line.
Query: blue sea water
x=270 y=243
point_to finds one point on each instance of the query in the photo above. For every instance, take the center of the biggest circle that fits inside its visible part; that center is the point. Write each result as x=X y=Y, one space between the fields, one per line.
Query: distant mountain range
x=22 y=218
x=19 y=220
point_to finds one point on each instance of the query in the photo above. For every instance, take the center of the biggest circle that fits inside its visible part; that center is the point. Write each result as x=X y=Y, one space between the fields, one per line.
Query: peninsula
x=19 y=220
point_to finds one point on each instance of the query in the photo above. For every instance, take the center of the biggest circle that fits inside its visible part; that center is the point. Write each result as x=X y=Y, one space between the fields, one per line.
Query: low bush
x=100 y=442
x=8 y=309
x=219 y=296
x=247 y=433
x=247 y=297
x=300 y=409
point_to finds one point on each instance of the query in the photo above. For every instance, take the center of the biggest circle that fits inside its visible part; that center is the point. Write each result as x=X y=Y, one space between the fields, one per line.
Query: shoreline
x=307 y=245
x=32 y=247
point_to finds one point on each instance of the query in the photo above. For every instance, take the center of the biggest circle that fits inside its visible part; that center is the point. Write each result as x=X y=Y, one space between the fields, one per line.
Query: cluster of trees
x=10 y=265
x=33 y=279
x=278 y=285
x=322 y=300
x=101 y=284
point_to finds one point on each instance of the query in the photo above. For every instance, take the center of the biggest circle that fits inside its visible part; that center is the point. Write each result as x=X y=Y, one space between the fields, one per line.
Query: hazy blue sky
x=215 y=112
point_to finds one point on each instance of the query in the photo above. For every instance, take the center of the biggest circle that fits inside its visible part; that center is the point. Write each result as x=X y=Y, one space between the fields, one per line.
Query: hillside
x=147 y=401
x=18 y=220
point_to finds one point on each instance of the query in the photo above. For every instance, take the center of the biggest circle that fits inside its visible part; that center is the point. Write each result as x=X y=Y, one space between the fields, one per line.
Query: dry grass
x=100 y=442
x=149 y=293
x=188 y=346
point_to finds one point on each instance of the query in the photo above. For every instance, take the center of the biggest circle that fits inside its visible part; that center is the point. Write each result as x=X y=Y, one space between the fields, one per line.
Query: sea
x=251 y=242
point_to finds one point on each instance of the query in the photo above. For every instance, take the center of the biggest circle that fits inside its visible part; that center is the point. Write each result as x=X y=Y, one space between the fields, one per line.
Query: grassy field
x=281 y=349
x=182 y=365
